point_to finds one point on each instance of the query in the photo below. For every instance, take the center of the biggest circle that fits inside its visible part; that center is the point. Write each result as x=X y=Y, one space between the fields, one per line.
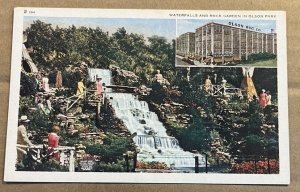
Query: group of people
x=265 y=98
x=209 y=88
x=42 y=81
x=99 y=87
x=23 y=142
x=44 y=103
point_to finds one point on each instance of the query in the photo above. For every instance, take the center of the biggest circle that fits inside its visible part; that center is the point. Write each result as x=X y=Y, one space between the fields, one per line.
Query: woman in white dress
x=45 y=82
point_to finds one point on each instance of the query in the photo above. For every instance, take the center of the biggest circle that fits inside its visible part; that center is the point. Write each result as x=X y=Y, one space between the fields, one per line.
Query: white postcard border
x=25 y=176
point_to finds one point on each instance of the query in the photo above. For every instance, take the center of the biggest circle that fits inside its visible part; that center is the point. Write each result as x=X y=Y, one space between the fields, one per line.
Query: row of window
x=228 y=37
x=235 y=52
x=259 y=49
x=228 y=44
x=235 y=32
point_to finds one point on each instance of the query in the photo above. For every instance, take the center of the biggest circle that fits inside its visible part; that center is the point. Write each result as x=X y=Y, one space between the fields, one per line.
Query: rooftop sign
x=244 y=26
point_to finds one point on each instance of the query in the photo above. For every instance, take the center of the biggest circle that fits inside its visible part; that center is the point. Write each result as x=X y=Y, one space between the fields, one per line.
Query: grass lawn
x=265 y=63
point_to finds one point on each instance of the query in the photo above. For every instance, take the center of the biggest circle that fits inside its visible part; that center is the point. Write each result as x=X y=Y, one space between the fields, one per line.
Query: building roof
x=187 y=33
x=235 y=28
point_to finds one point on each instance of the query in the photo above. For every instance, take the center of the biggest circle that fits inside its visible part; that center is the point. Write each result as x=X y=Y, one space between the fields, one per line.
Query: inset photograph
x=206 y=43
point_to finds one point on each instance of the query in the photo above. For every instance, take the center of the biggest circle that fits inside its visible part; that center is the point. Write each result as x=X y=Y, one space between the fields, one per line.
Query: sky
x=190 y=25
x=147 y=27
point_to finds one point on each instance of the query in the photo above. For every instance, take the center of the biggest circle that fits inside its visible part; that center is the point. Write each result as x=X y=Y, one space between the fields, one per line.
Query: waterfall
x=151 y=136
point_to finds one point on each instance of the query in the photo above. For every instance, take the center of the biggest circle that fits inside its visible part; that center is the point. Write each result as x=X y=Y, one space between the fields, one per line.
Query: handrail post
x=71 y=161
x=38 y=155
x=127 y=162
x=206 y=166
x=196 y=164
x=134 y=162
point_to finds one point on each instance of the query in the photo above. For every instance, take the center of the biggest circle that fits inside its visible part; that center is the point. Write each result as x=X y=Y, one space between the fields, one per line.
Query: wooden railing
x=67 y=154
x=218 y=90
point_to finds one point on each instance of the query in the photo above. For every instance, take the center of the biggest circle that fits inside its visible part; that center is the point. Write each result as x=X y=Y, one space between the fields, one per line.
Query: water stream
x=151 y=137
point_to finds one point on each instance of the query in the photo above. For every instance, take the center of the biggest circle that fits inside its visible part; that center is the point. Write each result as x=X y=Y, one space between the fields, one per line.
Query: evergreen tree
x=196 y=136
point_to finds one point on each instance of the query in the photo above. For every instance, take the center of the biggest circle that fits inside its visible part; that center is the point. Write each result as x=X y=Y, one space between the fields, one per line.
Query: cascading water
x=151 y=136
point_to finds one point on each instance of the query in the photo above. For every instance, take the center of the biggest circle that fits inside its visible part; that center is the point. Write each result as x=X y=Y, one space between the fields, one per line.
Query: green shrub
x=254 y=145
x=24 y=104
x=196 y=136
x=112 y=148
x=110 y=167
x=272 y=146
x=158 y=93
x=64 y=92
x=40 y=122
x=28 y=85
x=259 y=56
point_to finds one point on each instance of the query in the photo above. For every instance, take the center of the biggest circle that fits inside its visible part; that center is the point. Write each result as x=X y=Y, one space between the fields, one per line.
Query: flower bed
x=151 y=165
x=261 y=167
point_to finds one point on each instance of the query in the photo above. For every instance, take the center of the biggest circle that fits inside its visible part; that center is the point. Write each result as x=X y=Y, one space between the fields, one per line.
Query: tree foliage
x=196 y=136
x=58 y=47
x=111 y=150
x=28 y=85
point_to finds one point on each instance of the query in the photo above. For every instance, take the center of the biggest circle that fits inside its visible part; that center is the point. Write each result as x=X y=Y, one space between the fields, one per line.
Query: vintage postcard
x=148 y=96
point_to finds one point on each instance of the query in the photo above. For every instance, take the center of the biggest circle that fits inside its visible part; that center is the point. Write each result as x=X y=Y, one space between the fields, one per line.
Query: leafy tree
x=259 y=56
x=254 y=145
x=70 y=80
x=40 y=37
x=196 y=136
x=39 y=122
x=28 y=85
x=272 y=146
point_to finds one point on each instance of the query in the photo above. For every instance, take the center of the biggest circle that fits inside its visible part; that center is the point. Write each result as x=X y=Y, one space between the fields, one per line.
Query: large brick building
x=185 y=43
x=231 y=42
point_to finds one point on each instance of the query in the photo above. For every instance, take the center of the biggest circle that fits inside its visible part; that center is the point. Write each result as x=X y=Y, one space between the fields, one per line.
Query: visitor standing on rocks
x=22 y=138
x=58 y=82
x=37 y=81
x=215 y=78
x=48 y=108
x=53 y=142
x=40 y=106
x=45 y=83
x=223 y=82
x=99 y=86
x=158 y=76
x=208 y=85
x=268 y=98
x=263 y=99
x=80 y=88
x=37 y=97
